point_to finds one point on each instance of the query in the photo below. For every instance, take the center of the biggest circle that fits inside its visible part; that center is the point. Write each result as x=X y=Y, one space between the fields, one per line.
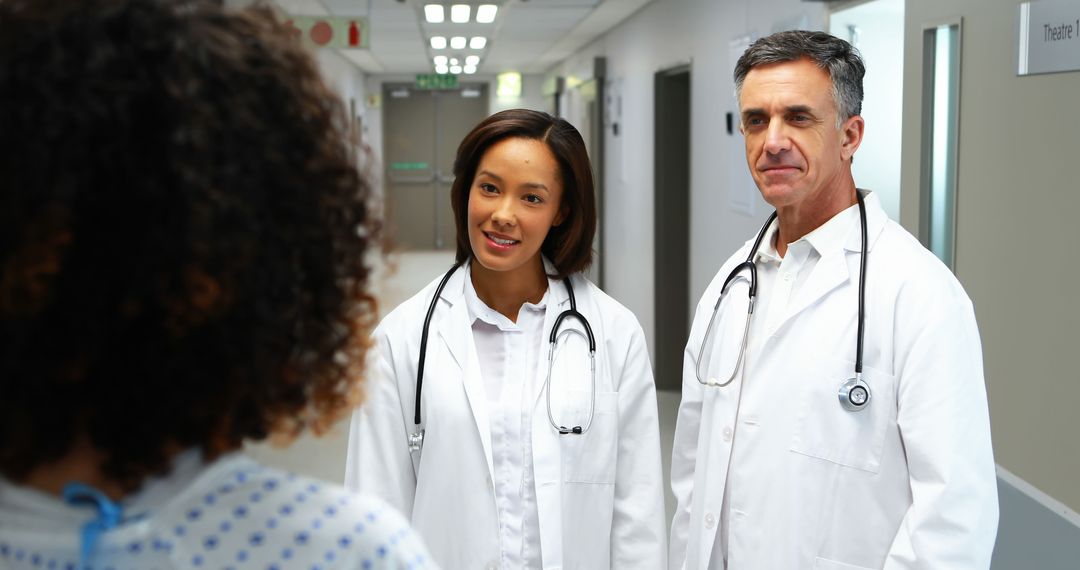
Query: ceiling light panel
x=455 y=69
x=440 y=60
x=469 y=69
x=434 y=13
x=459 y=13
x=485 y=13
x=477 y=42
x=472 y=60
x=442 y=69
x=438 y=42
x=457 y=42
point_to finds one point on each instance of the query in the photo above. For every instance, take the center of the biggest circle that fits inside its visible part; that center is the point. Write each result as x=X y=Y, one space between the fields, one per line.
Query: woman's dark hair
x=569 y=245
x=182 y=235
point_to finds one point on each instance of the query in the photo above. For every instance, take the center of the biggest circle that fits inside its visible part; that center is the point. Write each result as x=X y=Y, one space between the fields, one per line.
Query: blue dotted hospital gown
x=232 y=514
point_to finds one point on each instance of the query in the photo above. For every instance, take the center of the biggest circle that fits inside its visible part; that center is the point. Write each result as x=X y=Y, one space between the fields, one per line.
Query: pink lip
x=499 y=246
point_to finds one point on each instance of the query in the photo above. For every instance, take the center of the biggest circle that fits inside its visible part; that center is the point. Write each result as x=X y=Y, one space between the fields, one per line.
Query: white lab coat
x=908 y=482
x=599 y=495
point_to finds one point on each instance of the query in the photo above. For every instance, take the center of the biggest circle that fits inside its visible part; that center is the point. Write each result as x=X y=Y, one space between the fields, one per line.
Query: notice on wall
x=1048 y=37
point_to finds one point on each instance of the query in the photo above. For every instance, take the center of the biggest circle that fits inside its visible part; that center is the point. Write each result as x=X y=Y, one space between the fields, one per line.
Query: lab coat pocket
x=825 y=430
x=590 y=457
x=826 y=564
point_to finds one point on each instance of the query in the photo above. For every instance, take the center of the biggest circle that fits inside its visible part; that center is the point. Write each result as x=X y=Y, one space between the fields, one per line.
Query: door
x=422 y=132
x=671 y=211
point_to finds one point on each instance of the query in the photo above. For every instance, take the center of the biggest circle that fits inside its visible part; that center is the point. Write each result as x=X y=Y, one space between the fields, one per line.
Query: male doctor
x=776 y=470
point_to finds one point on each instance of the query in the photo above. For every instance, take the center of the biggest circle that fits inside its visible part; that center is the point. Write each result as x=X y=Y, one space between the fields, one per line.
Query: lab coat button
x=710 y=521
x=727 y=434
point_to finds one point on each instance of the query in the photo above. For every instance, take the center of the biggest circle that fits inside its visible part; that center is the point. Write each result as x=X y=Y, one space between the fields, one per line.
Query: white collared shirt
x=779 y=280
x=509 y=356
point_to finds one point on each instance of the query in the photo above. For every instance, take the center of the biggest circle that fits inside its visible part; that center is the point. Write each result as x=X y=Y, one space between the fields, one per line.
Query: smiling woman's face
x=514 y=200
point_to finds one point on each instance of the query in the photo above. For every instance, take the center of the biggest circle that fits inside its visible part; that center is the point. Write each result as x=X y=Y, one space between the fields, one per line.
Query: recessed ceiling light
x=441 y=69
x=459 y=13
x=457 y=42
x=438 y=42
x=440 y=60
x=478 y=42
x=472 y=60
x=454 y=61
x=485 y=13
x=470 y=69
x=434 y=14
x=455 y=69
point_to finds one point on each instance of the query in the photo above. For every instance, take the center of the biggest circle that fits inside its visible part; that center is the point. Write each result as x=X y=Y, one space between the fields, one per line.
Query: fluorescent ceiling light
x=441 y=69
x=459 y=13
x=470 y=69
x=454 y=61
x=478 y=42
x=438 y=42
x=472 y=60
x=485 y=13
x=455 y=69
x=434 y=14
x=457 y=42
x=440 y=60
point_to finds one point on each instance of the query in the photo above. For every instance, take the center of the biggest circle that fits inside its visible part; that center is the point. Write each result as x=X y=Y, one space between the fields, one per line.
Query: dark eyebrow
x=529 y=185
x=489 y=174
x=791 y=109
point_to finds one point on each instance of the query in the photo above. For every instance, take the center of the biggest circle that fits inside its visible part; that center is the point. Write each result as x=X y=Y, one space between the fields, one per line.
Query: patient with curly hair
x=183 y=233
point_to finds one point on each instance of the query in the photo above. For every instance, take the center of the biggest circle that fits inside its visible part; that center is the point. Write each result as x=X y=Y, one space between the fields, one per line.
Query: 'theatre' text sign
x=1048 y=36
x=330 y=31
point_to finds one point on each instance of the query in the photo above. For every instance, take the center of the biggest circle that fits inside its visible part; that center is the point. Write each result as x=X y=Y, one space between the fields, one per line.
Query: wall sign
x=1048 y=36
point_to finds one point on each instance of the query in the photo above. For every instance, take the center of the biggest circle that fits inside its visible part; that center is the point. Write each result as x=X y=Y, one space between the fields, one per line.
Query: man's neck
x=797 y=220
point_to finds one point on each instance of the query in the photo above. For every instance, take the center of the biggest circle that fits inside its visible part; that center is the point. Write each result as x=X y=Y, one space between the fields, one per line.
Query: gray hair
x=835 y=56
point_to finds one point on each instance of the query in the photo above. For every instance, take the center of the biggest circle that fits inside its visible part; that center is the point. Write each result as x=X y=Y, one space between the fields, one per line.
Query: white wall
x=664 y=34
x=880 y=40
x=1016 y=202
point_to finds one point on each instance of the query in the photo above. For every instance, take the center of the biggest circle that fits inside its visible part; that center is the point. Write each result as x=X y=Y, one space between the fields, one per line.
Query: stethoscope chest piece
x=854 y=394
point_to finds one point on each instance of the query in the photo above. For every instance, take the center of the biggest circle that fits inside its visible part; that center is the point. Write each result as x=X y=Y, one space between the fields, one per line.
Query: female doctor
x=491 y=480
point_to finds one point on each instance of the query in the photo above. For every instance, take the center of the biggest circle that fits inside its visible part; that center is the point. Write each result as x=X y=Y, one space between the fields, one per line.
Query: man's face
x=795 y=152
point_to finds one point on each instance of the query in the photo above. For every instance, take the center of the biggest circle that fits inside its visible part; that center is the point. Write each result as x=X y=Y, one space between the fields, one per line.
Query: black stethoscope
x=854 y=393
x=416 y=438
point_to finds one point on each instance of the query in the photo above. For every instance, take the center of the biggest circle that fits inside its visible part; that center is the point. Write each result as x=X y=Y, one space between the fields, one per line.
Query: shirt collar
x=830 y=236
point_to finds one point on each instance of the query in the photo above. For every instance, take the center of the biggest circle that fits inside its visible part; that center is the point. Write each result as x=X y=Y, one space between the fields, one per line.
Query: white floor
x=398 y=279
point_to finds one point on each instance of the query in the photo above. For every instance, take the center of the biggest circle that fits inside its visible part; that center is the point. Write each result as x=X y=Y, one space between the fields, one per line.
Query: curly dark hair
x=183 y=232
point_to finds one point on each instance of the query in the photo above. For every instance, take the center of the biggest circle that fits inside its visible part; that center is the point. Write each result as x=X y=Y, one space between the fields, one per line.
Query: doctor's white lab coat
x=907 y=483
x=599 y=495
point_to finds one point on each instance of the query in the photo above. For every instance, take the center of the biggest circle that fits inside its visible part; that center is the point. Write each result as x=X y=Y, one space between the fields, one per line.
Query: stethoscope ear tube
x=423 y=343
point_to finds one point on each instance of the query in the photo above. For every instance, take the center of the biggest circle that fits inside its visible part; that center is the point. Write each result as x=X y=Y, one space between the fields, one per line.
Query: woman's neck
x=507 y=291
x=82 y=464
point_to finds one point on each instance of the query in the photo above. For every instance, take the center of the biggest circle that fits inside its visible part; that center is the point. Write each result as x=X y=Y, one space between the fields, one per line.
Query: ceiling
x=528 y=36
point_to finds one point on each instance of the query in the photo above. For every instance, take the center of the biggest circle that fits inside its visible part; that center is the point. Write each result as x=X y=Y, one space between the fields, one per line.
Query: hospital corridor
x=630 y=284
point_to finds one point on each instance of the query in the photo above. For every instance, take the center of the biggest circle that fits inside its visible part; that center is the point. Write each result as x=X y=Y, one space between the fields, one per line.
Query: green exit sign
x=436 y=81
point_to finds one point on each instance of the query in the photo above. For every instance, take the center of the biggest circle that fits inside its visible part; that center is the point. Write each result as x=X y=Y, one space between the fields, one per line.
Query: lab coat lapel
x=558 y=301
x=833 y=270
x=456 y=333
x=830 y=272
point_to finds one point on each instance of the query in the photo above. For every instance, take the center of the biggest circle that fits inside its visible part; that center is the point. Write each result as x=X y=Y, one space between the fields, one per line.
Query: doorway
x=422 y=132
x=671 y=223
